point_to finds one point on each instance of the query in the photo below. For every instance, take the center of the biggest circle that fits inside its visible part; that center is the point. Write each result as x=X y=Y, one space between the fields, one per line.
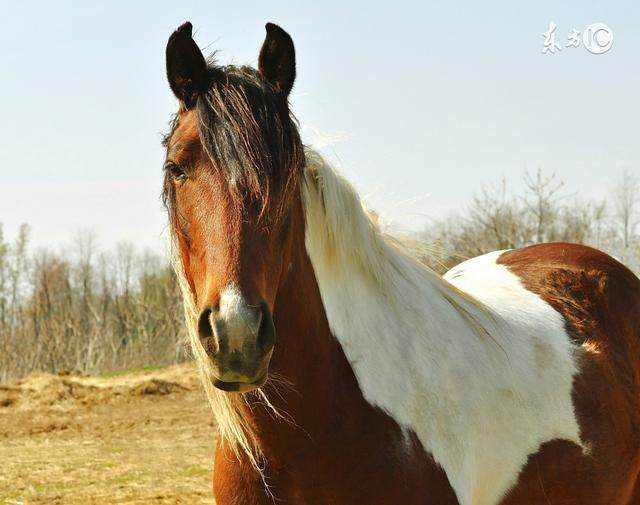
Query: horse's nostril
x=267 y=331
x=204 y=324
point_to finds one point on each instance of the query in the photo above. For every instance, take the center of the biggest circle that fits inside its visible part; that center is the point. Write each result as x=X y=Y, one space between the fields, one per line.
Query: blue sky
x=425 y=101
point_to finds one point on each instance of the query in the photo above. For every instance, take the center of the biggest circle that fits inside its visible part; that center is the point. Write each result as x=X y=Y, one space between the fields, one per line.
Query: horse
x=342 y=370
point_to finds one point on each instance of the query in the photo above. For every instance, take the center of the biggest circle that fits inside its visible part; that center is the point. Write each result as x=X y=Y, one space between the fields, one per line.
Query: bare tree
x=541 y=201
x=626 y=194
x=497 y=219
x=86 y=311
x=494 y=212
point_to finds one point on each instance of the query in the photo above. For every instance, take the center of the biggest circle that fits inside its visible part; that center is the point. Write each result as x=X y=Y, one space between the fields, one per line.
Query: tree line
x=85 y=310
x=497 y=218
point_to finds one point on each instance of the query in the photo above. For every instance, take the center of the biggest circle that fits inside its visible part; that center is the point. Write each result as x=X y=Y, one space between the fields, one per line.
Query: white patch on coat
x=477 y=366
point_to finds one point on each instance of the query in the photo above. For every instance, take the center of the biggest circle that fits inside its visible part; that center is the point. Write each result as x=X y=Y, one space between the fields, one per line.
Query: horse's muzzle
x=239 y=339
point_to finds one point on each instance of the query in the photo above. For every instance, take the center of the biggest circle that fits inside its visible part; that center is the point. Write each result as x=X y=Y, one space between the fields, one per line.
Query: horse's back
x=599 y=300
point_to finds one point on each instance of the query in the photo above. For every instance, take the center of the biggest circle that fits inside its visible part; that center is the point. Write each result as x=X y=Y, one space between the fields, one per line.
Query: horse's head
x=231 y=173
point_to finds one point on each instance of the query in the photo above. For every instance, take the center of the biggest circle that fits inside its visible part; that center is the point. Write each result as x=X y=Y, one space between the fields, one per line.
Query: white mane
x=481 y=372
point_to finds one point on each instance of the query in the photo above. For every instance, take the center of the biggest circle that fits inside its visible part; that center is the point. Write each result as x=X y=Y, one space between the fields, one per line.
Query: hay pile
x=64 y=392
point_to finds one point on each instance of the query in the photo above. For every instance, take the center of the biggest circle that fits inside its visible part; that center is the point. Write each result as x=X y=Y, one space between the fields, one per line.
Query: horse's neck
x=306 y=354
x=312 y=382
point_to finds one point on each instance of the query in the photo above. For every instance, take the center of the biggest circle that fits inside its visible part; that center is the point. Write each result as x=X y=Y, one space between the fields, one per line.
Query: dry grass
x=140 y=438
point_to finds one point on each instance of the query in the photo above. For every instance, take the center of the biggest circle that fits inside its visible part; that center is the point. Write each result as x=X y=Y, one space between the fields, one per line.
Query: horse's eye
x=176 y=172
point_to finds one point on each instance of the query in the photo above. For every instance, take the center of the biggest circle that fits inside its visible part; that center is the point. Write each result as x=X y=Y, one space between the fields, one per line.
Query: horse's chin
x=239 y=386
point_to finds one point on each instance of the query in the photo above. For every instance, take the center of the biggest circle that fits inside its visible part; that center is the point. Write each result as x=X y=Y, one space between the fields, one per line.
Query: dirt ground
x=139 y=438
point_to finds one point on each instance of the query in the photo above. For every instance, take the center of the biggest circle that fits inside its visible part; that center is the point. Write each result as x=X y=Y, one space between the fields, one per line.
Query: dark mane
x=249 y=135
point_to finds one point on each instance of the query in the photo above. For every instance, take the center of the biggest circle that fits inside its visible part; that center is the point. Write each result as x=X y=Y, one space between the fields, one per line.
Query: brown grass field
x=144 y=437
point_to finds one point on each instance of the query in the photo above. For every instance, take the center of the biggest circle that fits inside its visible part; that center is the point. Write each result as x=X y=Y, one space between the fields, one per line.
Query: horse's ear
x=186 y=67
x=277 y=62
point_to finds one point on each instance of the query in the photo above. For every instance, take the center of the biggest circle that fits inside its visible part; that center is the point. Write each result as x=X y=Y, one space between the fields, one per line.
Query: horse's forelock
x=250 y=136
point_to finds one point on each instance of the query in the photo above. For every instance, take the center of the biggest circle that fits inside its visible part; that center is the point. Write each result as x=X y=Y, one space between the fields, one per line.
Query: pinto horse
x=340 y=369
